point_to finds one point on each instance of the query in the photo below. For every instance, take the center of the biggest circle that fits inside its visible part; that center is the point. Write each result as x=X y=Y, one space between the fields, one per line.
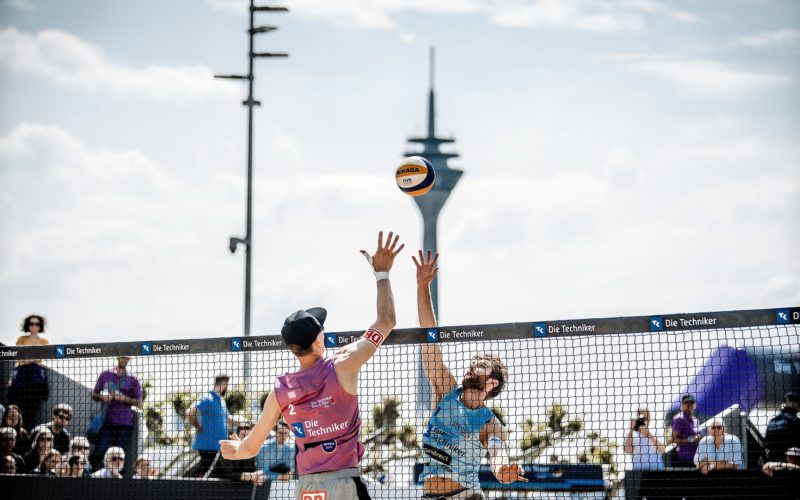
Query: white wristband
x=381 y=275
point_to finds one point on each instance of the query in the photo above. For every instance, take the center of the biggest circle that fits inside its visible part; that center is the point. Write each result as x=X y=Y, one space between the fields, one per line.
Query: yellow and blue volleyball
x=415 y=176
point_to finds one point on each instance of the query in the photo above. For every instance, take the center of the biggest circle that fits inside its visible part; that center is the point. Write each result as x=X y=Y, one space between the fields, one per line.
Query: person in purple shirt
x=685 y=433
x=119 y=390
x=320 y=401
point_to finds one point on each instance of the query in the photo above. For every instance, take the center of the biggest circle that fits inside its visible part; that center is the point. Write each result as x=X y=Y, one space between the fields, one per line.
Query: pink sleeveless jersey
x=323 y=417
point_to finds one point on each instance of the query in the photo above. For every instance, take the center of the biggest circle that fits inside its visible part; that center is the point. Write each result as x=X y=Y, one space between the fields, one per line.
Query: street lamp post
x=247 y=241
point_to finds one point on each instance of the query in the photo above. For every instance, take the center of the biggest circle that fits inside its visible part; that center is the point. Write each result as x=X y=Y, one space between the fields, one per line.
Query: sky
x=621 y=157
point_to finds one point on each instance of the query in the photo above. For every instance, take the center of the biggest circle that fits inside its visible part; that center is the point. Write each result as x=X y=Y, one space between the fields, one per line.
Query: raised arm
x=236 y=449
x=438 y=373
x=351 y=358
x=494 y=438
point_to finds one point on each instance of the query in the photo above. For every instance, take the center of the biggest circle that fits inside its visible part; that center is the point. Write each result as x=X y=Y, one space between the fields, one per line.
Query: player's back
x=323 y=417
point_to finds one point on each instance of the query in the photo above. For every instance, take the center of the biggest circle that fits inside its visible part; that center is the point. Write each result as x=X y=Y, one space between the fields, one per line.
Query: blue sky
x=622 y=157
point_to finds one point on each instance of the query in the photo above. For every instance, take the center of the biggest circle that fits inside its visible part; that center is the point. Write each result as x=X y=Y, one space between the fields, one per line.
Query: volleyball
x=415 y=176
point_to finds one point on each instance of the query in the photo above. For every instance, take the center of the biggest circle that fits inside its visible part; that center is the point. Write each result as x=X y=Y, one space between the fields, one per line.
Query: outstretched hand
x=383 y=259
x=426 y=267
x=510 y=473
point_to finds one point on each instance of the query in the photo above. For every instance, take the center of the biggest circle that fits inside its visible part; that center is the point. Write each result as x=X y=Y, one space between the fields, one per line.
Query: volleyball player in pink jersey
x=320 y=400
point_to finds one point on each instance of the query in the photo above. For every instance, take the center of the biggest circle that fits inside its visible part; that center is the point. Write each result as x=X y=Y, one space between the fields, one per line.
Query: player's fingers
x=435 y=259
x=415 y=261
x=380 y=240
x=389 y=239
x=391 y=242
x=421 y=257
x=399 y=249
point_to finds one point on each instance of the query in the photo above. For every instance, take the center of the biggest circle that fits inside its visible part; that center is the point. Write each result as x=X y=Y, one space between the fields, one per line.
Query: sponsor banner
x=655 y=324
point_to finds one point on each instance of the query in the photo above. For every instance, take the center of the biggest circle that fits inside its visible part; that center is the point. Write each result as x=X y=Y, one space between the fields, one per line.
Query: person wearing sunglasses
x=114 y=460
x=718 y=450
x=80 y=446
x=29 y=387
x=41 y=444
x=62 y=414
x=76 y=465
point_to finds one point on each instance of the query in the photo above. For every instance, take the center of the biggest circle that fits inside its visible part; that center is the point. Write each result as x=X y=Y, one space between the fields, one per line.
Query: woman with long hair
x=13 y=419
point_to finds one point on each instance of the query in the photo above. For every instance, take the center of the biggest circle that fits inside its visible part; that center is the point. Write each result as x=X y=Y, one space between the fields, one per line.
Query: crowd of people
x=49 y=449
x=713 y=449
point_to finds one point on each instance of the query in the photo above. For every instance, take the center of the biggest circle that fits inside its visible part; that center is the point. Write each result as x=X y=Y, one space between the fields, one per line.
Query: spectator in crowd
x=210 y=418
x=76 y=465
x=28 y=387
x=239 y=470
x=8 y=436
x=114 y=460
x=790 y=464
x=80 y=446
x=50 y=465
x=142 y=468
x=8 y=465
x=62 y=414
x=121 y=391
x=13 y=418
x=645 y=448
x=685 y=433
x=41 y=444
x=718 y=450
x=276 y=457
x=783 y=431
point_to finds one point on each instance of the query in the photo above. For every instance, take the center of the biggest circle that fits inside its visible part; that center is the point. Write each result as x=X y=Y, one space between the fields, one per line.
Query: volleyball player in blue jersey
x=461 y=429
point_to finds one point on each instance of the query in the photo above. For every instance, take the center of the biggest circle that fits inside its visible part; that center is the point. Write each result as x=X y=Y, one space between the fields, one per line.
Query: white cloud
x=776 y=38
x=704 y=78
x=408 y=38
x=66 y=60
x=587 y=15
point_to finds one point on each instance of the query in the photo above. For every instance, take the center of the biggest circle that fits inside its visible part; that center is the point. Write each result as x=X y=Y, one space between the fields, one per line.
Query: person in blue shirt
x=718 y=450
x=276 y=457
x=462 y=429
x=210 y=418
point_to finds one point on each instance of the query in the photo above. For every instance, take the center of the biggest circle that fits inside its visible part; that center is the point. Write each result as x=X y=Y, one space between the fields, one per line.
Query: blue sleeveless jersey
x=451 y=441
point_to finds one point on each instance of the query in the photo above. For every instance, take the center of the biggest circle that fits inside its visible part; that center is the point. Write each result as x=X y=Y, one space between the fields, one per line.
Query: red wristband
x=373 y=336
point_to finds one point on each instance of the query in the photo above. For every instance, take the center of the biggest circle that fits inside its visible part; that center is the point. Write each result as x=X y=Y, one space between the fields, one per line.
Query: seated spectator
x=276 y=457
x=76 y=465
x=80 y=446
x=685 y=433
x=51 y=464
x=62 y=414
x=718 y=450
x=7 y=443
x=783 y=431
x=238 y=470
x=142 y=468
x=13 y=418
x=41 y=444
x=8 y=465
x=645 y=448
x=114 y=460
x=790 y=464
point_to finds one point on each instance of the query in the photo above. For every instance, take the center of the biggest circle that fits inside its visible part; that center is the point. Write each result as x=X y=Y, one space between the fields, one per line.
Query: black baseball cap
x=687 y=398
x=303 y=327
x=791 y=397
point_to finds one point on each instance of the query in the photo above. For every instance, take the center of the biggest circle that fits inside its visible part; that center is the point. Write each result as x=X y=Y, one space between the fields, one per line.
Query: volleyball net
x=581 y=400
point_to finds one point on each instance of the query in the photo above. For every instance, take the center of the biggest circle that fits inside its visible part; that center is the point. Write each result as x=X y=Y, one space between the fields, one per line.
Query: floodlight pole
x=247 y=241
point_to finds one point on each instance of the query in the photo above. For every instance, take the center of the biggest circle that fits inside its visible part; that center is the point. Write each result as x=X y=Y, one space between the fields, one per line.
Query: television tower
x=431 y=204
